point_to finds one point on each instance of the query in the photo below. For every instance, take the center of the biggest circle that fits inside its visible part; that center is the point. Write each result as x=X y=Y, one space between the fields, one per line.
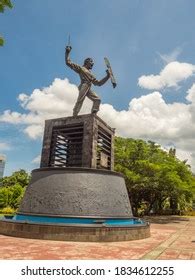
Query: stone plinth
x=82 y=141
x=95 y=233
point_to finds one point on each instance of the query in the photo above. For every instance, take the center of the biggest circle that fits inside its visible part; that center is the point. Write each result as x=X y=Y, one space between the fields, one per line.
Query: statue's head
x=88 y=63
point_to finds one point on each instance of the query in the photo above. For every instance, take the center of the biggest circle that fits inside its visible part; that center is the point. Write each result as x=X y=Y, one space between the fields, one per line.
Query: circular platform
x=78 y=233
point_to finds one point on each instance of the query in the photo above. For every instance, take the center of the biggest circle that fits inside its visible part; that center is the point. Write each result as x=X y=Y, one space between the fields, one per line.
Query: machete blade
x=110 y=71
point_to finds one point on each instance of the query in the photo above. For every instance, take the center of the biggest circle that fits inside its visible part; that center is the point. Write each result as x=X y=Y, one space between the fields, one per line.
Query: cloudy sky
x=150 y=45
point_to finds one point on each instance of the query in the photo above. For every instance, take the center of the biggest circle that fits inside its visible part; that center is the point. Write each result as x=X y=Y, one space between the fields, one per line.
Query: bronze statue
x=87 y=79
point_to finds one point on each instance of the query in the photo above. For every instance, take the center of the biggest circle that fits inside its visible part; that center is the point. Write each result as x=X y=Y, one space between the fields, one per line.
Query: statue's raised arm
x=68 y=61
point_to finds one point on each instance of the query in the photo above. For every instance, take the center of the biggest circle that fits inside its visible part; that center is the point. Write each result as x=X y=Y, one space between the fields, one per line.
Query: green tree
x=153 y=176
x=12 y=189
x=20 y=177
x=11 y=197
x=4 y=4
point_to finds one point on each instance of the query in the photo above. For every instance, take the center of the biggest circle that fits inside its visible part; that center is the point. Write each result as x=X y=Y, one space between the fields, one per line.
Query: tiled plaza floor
x=171 y=238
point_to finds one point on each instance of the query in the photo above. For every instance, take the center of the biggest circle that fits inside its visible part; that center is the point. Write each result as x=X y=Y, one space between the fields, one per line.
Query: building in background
x=2 y=165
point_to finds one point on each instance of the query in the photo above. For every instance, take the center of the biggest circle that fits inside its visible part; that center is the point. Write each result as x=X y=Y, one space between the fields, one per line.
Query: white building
x=2 y=165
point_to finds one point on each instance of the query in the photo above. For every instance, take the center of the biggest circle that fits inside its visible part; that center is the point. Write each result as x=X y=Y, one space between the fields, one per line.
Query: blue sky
x=150 y=45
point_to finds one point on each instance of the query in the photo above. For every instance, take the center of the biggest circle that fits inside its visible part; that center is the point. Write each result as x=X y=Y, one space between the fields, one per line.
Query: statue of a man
x=87 y=79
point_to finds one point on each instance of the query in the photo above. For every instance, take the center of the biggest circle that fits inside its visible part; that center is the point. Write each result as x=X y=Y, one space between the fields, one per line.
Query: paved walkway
x=171 y=238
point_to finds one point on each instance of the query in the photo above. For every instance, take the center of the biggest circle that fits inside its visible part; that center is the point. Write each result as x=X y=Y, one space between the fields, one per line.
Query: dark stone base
x=76 y=192
x=96 y=233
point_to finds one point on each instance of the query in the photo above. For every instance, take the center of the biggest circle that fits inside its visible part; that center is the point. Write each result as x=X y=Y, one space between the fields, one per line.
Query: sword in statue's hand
x=112 y=78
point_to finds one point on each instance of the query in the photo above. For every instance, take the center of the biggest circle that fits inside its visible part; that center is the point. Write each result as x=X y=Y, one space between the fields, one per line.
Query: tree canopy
x=155 y=179
x=3 y=5
x=12 y=189
x=20 y=177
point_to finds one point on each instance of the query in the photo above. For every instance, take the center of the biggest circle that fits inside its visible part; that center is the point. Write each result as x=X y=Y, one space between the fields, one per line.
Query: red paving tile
x=193 y=256
x=171 y=238
x=170 y=254
x=185 y=256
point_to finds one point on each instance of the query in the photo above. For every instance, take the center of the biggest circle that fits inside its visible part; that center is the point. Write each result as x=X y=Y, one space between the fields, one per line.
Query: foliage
x=190 y=213
x=11 y=196
x=4 y=4
x=12 y=189
x=154 y=177
x=7 y=210
x=20 y=177
x=1 y=41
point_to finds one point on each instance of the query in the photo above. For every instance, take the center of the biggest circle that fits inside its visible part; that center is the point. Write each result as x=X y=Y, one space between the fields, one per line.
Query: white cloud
x=54 y=101
x=56 y=98
x=184 y=155
x=34 y=131
x=172 y=56
x=4 y=146
x=18 y=118
x=172 y=74
x=148 y=117
x=191 y=94
x=37 y=159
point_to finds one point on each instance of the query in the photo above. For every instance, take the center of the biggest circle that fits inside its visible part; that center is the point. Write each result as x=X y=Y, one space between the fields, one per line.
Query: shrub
x=190 y=213
x=7 y=210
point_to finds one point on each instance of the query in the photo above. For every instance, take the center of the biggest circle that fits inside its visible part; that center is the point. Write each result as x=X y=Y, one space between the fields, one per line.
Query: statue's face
x=89 y=63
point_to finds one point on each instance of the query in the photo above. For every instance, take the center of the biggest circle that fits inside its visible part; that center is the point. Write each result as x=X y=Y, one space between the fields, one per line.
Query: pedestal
x=75 y=195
